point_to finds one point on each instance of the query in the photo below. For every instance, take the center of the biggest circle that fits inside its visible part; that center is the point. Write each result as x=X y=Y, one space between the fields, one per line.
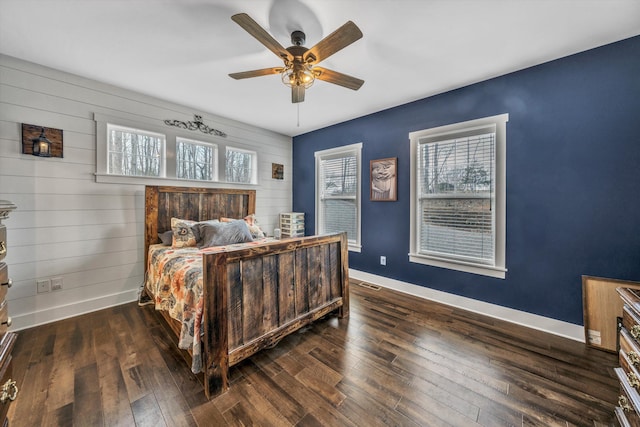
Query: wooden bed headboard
x=193 y=203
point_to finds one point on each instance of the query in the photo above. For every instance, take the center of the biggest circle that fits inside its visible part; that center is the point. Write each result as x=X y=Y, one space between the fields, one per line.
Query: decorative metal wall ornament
x=196 y=124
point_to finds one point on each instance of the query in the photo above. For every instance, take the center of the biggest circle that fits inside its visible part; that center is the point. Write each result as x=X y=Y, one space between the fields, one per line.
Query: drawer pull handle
x=8 y=284
x=633 y=380
x=635 y=331
x=624 y=404
x=633 y=358
x=9 y=391
x=8 y=322
x=3 y=248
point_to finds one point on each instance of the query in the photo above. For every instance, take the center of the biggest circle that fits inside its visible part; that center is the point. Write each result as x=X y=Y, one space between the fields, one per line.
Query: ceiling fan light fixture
x=298 y=75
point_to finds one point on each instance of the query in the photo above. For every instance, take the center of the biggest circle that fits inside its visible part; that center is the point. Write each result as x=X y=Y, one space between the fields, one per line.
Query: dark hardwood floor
x=396 y=361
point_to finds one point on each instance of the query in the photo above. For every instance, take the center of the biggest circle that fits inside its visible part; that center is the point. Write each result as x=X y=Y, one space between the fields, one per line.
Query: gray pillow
x=223 y=233
x=196 y=230
x=166 y=238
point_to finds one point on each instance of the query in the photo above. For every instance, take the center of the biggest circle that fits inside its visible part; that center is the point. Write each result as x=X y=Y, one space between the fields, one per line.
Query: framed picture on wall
x=384 y=185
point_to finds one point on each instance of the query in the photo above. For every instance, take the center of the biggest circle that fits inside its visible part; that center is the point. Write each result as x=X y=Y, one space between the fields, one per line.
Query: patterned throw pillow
x=183 y=236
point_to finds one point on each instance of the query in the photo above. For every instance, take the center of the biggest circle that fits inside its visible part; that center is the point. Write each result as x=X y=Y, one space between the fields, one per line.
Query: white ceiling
x=183 y=50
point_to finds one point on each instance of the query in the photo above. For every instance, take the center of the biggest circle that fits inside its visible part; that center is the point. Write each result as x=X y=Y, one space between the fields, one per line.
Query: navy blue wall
x=573 y=179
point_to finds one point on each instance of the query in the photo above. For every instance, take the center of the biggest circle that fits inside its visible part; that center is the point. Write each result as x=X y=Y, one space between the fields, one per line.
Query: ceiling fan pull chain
x=298 y=104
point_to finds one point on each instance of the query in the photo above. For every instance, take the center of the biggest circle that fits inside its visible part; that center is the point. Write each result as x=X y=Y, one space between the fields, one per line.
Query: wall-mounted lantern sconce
x=41 y=146
x=41 y=141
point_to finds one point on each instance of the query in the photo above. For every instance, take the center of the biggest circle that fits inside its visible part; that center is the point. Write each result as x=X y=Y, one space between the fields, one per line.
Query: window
x=241 y=166
x=196 y=160
x=458 y=196
x=338 y=174
x=134 y=152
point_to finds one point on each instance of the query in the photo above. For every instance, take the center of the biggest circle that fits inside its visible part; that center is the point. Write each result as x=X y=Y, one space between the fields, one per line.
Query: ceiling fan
x=300 y=69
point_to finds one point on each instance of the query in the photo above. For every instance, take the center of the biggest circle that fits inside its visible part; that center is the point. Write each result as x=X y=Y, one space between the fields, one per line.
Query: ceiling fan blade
x=339 y=39
x=337 y=78
x=253 y=28
x=297 y=93
x=256 y=73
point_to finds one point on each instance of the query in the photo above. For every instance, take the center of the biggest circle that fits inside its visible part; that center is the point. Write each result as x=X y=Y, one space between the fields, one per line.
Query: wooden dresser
x=9 y=388
x=628 y=373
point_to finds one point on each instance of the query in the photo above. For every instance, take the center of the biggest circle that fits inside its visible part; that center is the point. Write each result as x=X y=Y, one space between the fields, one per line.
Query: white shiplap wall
x=67 y=225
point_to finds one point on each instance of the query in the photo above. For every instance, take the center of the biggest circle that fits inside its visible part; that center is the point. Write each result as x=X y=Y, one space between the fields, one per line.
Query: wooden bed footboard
x=254 y=297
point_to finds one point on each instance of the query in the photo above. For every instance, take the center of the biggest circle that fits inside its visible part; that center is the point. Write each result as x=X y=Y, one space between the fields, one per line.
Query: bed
x=252 y=295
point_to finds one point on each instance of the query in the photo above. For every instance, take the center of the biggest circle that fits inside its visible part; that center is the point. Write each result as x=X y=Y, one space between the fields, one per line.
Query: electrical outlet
x=56 y=283
x=383 y=260
x=43 y=286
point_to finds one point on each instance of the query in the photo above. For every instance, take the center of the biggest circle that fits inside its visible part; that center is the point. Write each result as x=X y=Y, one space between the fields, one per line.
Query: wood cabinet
x=628 y=409
x=8 y=386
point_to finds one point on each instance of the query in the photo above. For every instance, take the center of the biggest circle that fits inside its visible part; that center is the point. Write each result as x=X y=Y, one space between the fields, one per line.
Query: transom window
x=458 y=196
x=134 y=152
x=196 y=160
x=241 y=165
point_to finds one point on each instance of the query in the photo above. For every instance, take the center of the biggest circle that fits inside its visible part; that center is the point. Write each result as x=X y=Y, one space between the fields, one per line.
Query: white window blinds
x=338 y=194
x=339 y=183
x=456 y=197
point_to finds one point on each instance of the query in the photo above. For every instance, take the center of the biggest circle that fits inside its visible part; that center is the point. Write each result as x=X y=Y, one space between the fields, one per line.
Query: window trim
x=334 y=153
x=498 y=270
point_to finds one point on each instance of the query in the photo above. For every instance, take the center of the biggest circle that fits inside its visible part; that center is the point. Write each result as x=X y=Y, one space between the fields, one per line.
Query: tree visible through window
x=196 y=160
x=240 y=166
x=458 y=196
x=338 y=196
x=135 y=153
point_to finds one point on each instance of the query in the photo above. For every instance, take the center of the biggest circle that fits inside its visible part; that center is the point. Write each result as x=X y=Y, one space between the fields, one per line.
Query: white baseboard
x=37 y=318
x=534 y=321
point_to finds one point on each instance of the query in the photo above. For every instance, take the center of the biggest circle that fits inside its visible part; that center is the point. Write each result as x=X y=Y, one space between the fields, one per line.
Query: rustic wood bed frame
x=253 y=297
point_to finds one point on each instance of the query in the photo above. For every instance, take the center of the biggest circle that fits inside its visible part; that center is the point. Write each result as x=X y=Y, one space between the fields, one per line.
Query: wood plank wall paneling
x=69 y=226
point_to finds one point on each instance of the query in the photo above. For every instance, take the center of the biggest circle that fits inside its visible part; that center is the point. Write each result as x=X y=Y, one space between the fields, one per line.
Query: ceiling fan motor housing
x=298 y=38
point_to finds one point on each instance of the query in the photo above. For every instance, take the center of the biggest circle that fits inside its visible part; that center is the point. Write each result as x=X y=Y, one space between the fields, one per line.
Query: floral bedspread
x=174 y=278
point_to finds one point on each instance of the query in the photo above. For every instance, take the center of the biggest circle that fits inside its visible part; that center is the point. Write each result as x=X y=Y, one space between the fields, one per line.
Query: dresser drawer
x=4 y=281
x=6 y=385
x=631 y=322
x=628 y=402
x=631 y=372
x=630 y=348
x=3 y=241
x=5 y=321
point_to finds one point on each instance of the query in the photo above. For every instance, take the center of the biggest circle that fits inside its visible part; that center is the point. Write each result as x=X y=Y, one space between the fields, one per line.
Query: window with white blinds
x=338 y=192
x=458 y=196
